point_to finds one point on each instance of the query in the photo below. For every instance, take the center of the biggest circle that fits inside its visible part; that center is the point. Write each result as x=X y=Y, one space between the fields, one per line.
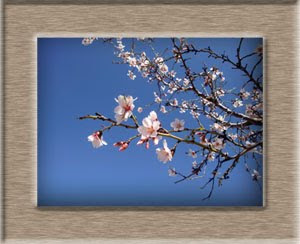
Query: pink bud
x=124 y=146
x=147 y=145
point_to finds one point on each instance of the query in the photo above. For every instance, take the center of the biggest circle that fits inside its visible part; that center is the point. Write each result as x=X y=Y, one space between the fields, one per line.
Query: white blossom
x=164 y=154
x=218 y=143
x=159 y=60
x=163 y=109
x=149 y=128
x=97 y=140
x=211 y=156
x=255 y=175
x=233 y=136
x=174 y=102
x=244 y=94
x=172 y=73
x=172 y=172
x=132 y=62
x=177 y=125
x=237 y=103
x=131 y=75
x=157 y=99
x=192 y=153
x=163 y=68
x=186 y=82
x=217 y=127
x=194 y=164
x=124 y=110
x=194 y=114
x=88 y=41
x=140 y=109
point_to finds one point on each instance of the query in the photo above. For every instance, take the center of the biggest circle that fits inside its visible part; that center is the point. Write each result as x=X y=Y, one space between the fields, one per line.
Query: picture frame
x=24 y=222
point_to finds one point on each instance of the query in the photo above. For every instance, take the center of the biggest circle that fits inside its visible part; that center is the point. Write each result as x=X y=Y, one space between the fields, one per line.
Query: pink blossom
x=131 y=75
x=218 y=143
x=122 y=144
x=177 y=125
x=140 y=109
x=163 y=68
x=124 y=110
x=97 y=139
x=132 y=62
x=149 y=128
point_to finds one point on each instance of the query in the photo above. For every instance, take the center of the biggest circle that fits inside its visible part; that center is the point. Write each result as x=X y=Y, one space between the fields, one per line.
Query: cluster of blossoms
x=88 y=40
x=149 y=129
x=226 y=123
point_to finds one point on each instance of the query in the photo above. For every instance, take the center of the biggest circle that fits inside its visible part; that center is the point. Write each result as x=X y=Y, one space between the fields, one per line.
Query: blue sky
x=75 y=80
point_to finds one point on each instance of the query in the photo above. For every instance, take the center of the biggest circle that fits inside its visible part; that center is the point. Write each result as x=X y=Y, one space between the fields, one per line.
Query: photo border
x=18 y=219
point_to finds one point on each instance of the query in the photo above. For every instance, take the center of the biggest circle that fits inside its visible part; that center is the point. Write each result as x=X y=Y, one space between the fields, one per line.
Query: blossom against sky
x=74 y=80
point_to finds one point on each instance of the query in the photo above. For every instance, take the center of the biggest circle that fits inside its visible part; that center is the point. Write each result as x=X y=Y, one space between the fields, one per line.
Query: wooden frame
x=22 y=220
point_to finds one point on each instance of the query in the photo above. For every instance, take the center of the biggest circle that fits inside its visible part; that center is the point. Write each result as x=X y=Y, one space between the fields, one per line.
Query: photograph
x=150 y=121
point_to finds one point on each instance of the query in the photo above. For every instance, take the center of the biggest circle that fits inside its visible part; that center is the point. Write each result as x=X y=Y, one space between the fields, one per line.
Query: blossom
x=153 y=116
x=192 y=153
x=186 y=82
x=164 y=154
x=149 y=128
x=195 y=164
x=124 y=110
x=97 y=139
x=140 y=109
x=163 y=68
x=218 y=143
x=122 y=144
x=131 y=75
x=217 y=127
x=174 y=102
x=211 y=156
x=202 y=136
x=233 y=136
x=220 y=92
x=237 y=103
x=157 y=99
x=163 y=109
x=124 y=55
x=250 y=144
x=88 y=41
x=172 y=87
x=177 y=125
x=172 y=172
x=194 y=114
x=132 y=61
x=251 y=110
x=255 y=175
x=243 y=94
x=120 y=46
x=172 y=73
x=159 y=60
